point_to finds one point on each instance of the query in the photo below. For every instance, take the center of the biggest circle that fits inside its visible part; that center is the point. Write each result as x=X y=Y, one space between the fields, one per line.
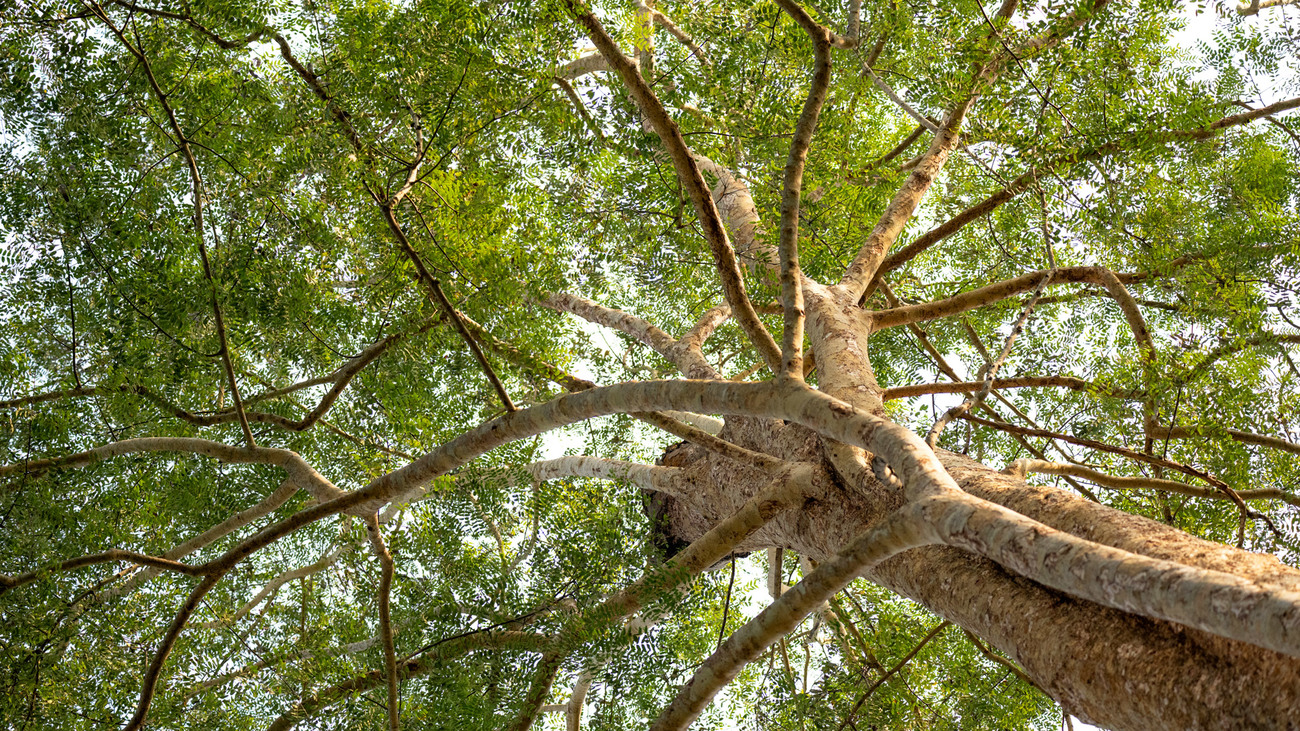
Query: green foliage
x=519 y=194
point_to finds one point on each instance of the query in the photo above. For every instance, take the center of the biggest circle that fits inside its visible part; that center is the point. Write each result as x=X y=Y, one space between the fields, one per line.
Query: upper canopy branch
x=1023 y=466
x=200 y=195
x=688 y=172
x=903 y=205
x=792 y=298
x=1028 y=179
x=992 y=293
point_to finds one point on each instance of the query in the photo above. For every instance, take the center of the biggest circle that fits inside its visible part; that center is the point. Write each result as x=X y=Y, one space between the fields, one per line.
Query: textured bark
x=1109 y=667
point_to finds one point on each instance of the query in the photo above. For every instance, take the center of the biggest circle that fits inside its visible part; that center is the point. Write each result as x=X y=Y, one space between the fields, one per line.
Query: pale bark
x=1015 y=615
x=582 y=66
x=897 y=533
x=1253 y=7
x=573 y=709
x=682 y=37
x=543 y=679
x=792 y=298
x=661 y=479
x=706 y=424
x=268 y=504
x=1050 y=573
x=902 y=206
x=684 y=354
x=328 y=559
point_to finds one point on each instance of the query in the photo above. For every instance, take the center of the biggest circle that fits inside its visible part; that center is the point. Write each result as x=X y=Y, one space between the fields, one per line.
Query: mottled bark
x=1112 y=668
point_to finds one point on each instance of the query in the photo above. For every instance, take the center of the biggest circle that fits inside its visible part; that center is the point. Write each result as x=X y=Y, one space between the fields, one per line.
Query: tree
x=972 y=323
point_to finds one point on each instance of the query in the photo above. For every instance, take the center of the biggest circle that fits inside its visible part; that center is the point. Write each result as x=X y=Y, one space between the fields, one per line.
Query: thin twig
x=386 y=618
x=199 y=195
x=454 y=316
x=892 y=671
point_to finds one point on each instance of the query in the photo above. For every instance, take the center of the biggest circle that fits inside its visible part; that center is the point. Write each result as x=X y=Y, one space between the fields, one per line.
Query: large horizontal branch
x=705 y=423
x=697 y=428
x=190 y=445
x=1022 y=466
x=912 y=463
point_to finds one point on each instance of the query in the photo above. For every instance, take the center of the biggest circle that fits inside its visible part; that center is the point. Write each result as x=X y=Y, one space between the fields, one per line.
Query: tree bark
x=1105 y=666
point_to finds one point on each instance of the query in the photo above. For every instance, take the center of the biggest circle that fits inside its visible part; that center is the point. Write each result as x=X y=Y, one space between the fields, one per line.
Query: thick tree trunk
x=1113 y=669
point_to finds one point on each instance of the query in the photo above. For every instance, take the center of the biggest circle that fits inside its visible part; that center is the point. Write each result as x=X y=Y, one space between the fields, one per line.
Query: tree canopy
x=307 y=310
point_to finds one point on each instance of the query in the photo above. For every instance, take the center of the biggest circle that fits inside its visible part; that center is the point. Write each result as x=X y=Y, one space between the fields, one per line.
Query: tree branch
x=848 y=721
x=454 y=316
x=897 y=533
x=791 y=187
x=1070 y=382
x=386 y=619
x=1022 y=466
x=992 y=293
x=1254 y=6
x=1157 y=431
x=8 y=583
x=1027 y=180
x=689 y=360
x=573 y=709
x=660 y=479
x=543 y=679
x=199 y=194
x=664 y=22
x=733 y=285
x=426 y=662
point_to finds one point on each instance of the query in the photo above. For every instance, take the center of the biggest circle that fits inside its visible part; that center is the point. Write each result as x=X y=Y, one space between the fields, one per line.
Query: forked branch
x=688 y=172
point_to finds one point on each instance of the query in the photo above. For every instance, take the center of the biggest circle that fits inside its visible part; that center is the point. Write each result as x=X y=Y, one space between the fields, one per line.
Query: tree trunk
x=1113 y=669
